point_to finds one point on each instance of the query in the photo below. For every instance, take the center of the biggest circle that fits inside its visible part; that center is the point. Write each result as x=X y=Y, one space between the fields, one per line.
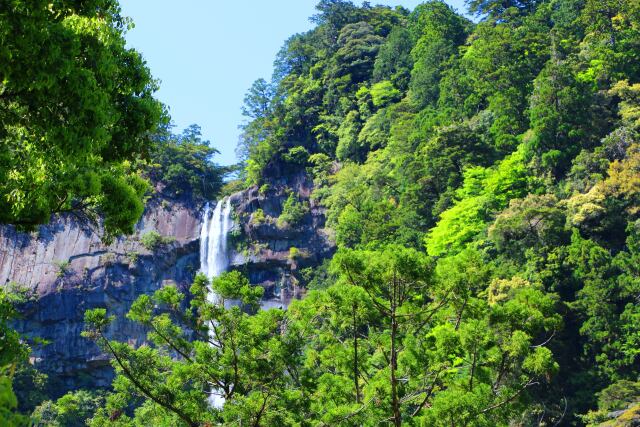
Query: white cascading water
x=214 y=258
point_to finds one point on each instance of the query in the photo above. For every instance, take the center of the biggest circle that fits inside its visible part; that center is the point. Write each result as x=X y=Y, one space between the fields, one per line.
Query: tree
x=438 y=31
x=236 y=356
x=13 y=350
x=532 y=222
x=394 y=61
x=257 y=100
x=357 y=49
x=76 y=112
x=183 y=164
x=436 y=334
x=333 y=16
x=71 y=410
x=497 y=9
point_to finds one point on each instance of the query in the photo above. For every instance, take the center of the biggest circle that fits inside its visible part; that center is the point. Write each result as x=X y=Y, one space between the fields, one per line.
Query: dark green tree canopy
x=182 y=165
x=76 y=111
x=498 y=8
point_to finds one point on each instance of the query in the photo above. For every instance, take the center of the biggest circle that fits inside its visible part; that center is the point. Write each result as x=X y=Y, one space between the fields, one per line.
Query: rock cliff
x=69 y=269
x=272 y=254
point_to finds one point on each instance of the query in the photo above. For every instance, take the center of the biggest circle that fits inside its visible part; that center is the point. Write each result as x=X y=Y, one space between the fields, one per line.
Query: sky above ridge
x=207 y=53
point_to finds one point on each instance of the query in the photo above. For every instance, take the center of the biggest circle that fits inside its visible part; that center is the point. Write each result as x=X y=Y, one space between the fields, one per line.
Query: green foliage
x=483 y=192
x=438 y=31
x=383 y=93
x=76 y=108
x=297 y=155
x=63 y=268
x=183 y=164
x=294 y=253
x=258 y=217
x=13 y=350
x=293 y=211
x=152 y=240
x=500 y=9
x=349 y=147
x=394 y=61
x=71 y=410
x=346 y=347
x=507 y=148
x=244 y=359
x=617 y=405
x=530 y=222
x=357 y=49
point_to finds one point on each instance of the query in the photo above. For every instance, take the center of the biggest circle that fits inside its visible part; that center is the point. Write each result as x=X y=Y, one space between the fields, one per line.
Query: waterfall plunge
x=214 y=259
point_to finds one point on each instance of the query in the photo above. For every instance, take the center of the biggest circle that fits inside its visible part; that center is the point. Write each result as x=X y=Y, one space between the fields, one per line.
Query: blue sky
x=207 y=53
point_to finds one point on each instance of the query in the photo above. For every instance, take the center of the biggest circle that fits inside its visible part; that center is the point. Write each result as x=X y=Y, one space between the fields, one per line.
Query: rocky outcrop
x=271 y=253
x=70 y=270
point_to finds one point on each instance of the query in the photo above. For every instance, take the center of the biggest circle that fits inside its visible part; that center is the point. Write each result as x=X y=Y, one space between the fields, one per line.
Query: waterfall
x=214 y=258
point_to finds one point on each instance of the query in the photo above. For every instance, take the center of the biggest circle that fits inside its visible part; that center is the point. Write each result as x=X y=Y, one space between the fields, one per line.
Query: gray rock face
x=273 y=254
x=71 y=271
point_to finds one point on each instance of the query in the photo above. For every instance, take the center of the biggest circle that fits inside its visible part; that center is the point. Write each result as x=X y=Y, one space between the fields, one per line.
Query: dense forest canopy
x=483 y=183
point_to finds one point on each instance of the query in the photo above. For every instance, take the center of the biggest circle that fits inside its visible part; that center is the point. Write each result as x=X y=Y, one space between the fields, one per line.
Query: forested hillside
x=502 y=157
x=482 y=183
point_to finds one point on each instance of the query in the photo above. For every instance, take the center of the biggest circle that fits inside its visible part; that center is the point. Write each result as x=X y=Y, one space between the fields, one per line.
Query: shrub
x=264 y=188
x=133 y=257
x=63 y=268
x=293 y=210
x=152 y=240
x=108 y=259
x=297 y=155
x=258 y=217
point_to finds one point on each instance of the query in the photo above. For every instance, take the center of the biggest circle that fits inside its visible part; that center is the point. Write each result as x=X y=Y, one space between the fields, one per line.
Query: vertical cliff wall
x=272 y=254
x=69 y=270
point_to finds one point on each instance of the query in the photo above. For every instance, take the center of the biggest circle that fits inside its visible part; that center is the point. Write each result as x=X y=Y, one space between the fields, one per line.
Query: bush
x=152 y=240
x=63 y=268
x=293 y=210
x=297 y=155
x=264 y=188
x=258 y=217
